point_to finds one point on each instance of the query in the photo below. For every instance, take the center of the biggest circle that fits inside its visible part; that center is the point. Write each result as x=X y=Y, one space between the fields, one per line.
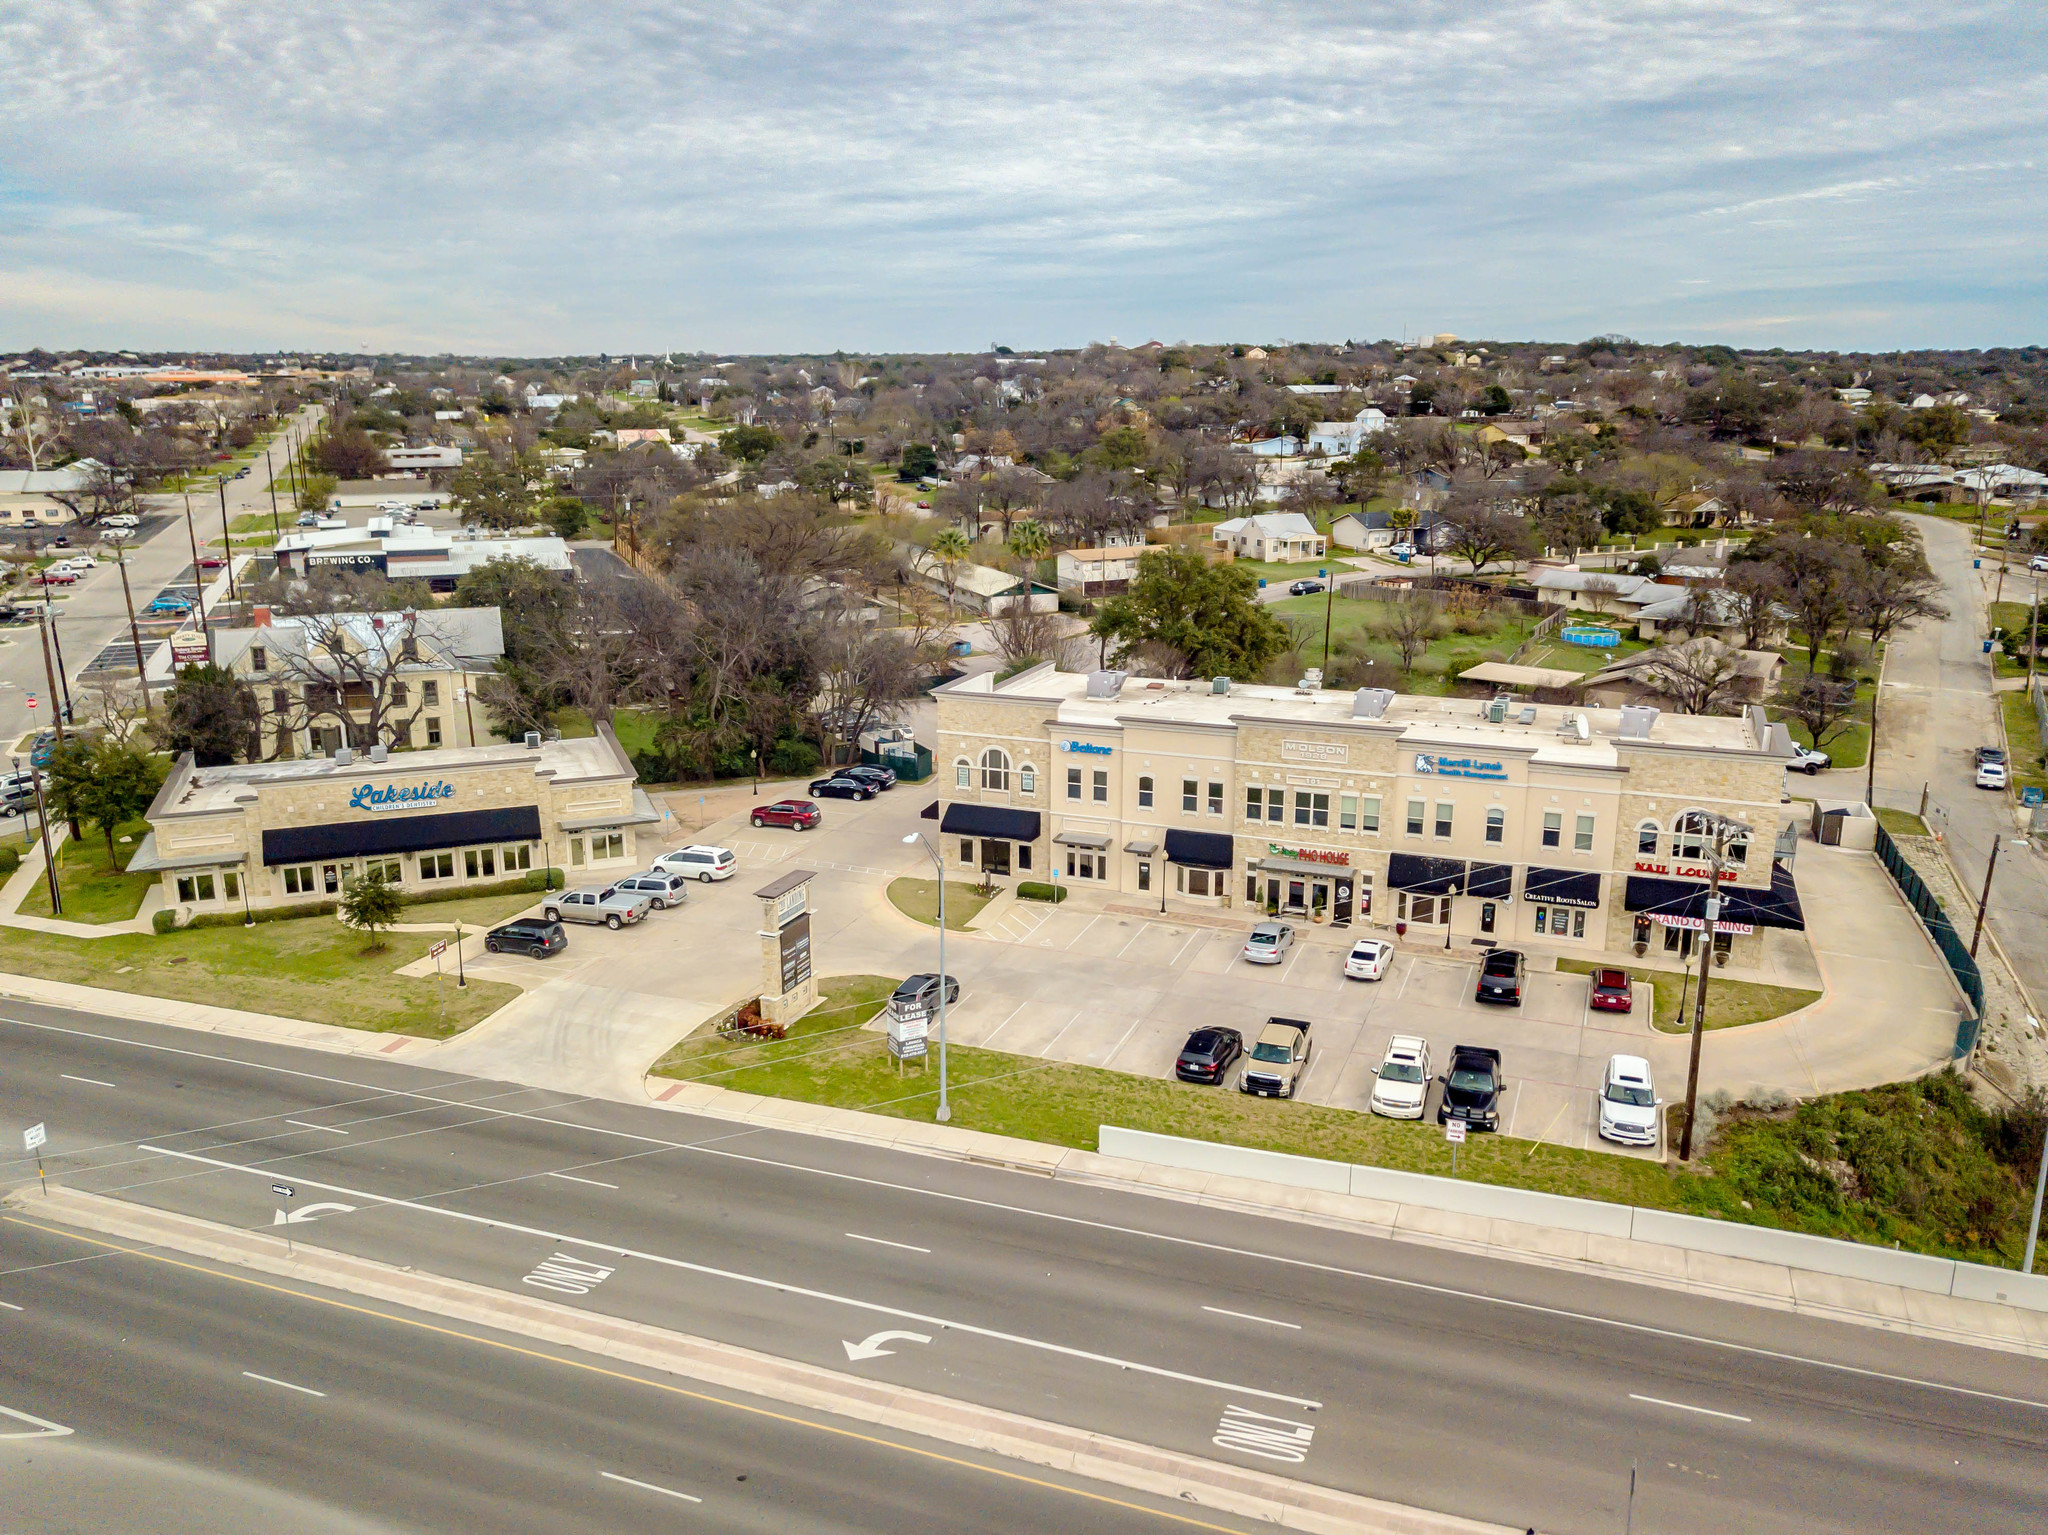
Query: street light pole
x=1870 y=758
x=2034 y=1226
x=134 y=629
x=1723 y=828
x=945 y=1107
x=227 y=537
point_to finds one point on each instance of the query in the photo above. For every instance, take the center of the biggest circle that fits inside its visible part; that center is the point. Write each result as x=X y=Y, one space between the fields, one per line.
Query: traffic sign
x=33 y=1136
x=1454 y=1130
x=436 y=950
x=283 y=1190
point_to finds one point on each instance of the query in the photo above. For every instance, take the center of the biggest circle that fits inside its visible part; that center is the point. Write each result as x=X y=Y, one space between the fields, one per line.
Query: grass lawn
x=478 y=911
x=1278 y=573
x=1901 y=823
x=1848 y=744
x=2011 y=618
x=633 y=727
x=919 y=898
x=310 y=967
x=95 y=888
x=2023 y=738
x=1730 y=1004
x=1355 y=619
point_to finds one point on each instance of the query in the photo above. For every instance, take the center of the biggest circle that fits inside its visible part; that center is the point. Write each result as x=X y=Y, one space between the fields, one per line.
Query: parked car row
x=616 y=905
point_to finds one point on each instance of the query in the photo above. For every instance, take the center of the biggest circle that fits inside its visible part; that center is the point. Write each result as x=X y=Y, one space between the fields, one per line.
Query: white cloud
x=550 y=175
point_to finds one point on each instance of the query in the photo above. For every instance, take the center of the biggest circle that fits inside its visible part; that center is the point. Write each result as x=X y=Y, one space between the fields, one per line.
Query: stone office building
x=289 y=832
x=1455 y=818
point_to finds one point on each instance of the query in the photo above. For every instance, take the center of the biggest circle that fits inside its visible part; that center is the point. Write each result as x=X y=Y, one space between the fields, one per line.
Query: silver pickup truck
x=598 y=903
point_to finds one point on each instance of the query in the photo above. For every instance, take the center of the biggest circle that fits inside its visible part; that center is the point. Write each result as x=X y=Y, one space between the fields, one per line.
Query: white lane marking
x=666 y=1492
x=884 y=1242
x=992 y=1033
x=8 y=1305
x=1083 y=933
x=270 y=1380
x=777 y=1285
x=1263 y=1435
x=1308 y=1265
x=593 y=1182
x=328 y=1129
x=1246 y=1316
x=870 y=1347
x=1046 y=1053
x=91 y=1081
x=1658 y=1401
x=44 y=1428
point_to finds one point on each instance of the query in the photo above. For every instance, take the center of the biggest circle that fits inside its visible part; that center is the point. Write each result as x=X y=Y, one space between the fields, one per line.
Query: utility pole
x=270 y=474
x=134 y=629
x=50 y=856
x=1984 y=900
x=1723 y=828
x=198 y=576
x=1870 y=757
x=43 y=622
x=227 y=537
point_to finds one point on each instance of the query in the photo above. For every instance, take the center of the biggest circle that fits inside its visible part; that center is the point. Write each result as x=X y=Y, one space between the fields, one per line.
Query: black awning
x=1775 y=907
x=990 y=821
x=1201 y=849
x=400 y=834
x=1493 y=881
x=930 y=812
x=1561 y=887
x=1425 y=876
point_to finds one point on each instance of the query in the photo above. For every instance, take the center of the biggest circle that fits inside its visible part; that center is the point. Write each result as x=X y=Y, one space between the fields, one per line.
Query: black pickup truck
x=1472 y=1088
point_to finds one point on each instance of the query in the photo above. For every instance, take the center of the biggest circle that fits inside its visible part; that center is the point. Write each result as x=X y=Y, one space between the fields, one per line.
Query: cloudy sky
x=539 y=176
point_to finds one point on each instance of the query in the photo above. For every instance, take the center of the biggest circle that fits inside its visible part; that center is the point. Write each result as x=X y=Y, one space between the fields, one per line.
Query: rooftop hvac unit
x=533 y=740
x=1371 y=703
x=1311 y=680
x=1496 y=711
x=343 y=756
x=379 y=753
x=1220 y=686
x=1105 y=684
x=1636 y=720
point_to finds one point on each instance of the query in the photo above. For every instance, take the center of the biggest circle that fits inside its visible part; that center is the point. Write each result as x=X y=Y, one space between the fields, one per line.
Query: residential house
x=1098 y=572
x=1669 y=675
x=633 y=436
x=422 y=460
x=982 y=589
x=1341 y=439
x=28 y=496
x=1271 y=536
x=1713 y=611
x=1272 y=447
x=1599 y=591
x=1364 y=530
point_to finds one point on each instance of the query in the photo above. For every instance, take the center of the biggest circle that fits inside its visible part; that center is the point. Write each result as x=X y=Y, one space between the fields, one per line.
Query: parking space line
x=1517 y=1091
x=1083 y=933
x=992 y=1033
x=1046 y=1053
x=1120 y=1043
x=1193 y=938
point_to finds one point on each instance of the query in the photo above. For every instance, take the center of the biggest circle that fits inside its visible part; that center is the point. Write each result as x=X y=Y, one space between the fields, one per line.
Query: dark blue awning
x=400 y=834
x=990 y=821
x=1775 y=907
x=1423 y=875
x=1562 y=887
x=1201 y=849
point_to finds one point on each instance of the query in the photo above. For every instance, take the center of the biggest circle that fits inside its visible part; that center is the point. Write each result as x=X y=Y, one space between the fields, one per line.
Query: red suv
x=799 y=813
x=1611 y=991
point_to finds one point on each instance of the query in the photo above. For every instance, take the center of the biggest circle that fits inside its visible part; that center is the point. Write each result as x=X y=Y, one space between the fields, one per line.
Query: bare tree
x=1824 y=705
x=1698 y=614
x=1701 y=676
x=1754 y=597
x=1023 y=636
x=1818 y=581
x=1889 y=596
x=1599 y=594
x=343 y=671
x=1486 y=533
x=1409 y=626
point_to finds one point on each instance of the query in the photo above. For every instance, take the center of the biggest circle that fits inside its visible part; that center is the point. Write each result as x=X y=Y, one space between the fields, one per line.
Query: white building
x=432 y=456
x=1275 y=537
x=1341 y=439
x=406 y=553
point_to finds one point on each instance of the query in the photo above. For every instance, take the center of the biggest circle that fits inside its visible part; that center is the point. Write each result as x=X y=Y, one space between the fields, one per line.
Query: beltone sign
x=400 y=796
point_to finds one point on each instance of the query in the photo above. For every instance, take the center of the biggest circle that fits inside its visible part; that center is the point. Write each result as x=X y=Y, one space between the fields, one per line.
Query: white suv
x=700 y=862
x=1628 y=1102
x=1991 y=769
x=1402 y=1086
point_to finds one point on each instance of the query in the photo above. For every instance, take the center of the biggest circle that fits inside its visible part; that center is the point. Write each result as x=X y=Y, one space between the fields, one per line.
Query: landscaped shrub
x=526 y=884
x=1033 y=890
x=256 y=914
x=10 y=860
x=165 y=922
x=793 y=759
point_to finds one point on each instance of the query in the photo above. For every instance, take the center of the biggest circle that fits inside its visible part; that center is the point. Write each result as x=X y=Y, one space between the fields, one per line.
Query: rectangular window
x=515 y=858
x=1301 y=807
x=967 y=851
x=1255 y=804
x=1319 y=810
x=231 y=884
x=392 y=870
x=193 y=888
x=1542 y=912
x=1579 y=925
x=1276 y=805
x=1738 y=851
x=298 y=881
x=1073 y=783
x=607 y=844
x=1102 y=786
x=1646 y=841
x=481 y=862
x=1215 y=799
x=259 y=659
x=280 y=701
x=433 y=730
x=1190 y=795
x=1553 y=828
x=1415 y=818
x=1145 y=792
x=441 y=865
x=1024 y=855
x=1496 y=825
x=1443 y=820
x=430 y=694
x=963 y=776
x=1369 y=813
x=1347 y=812
x=1027 y=780
x=1582 y=835
x=398 y=694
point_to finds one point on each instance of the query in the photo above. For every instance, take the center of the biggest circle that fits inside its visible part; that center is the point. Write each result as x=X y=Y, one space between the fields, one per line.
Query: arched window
x=995 y=769
x=1646 y=839
x=1027 y=779
x=963 y=774
x=1145 y=792
x=1691 y=835
x=1496 y=824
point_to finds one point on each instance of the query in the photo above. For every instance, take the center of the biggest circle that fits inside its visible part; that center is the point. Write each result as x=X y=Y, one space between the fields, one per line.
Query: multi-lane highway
x=1510 y=1393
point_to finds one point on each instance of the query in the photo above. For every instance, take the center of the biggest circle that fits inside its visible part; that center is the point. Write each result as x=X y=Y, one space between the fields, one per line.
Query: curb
x=1189 y=1479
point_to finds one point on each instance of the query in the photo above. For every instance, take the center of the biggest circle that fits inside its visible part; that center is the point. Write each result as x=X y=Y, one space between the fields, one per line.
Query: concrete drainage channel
x=1142 y=1468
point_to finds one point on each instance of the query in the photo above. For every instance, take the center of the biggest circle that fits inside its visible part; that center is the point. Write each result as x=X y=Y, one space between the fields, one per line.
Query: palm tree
x=1029 y=542
x=949 y=547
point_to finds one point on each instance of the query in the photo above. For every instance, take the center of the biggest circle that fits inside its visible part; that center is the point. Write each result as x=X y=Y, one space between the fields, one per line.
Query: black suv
x=1472 y=1088
x=1500 y=978
x=1207 y=1055
x=880 y=777
x=529 y=935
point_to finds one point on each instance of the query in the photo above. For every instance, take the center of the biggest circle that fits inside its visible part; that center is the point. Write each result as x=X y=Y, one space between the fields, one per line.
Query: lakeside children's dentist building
x=285 y=833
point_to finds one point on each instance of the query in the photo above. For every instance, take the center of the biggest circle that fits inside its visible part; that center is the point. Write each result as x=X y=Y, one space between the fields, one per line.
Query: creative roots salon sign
x=401 y=796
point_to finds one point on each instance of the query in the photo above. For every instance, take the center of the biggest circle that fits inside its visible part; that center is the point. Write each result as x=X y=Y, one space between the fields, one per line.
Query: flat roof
x=194 y=790
x=1417 y=717
x=1520 y=676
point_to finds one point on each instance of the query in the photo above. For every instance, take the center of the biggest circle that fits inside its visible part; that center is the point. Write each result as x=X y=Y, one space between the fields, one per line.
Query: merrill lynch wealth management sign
x=400 y=796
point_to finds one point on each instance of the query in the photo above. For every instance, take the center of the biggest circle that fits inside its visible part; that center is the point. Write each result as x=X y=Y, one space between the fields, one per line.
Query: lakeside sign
x=400 y=796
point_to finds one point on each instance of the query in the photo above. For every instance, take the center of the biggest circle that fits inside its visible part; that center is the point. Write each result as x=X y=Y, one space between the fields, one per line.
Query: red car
x=1611 y=991
x=798 y=813
x=57 y=578
x=211 y=562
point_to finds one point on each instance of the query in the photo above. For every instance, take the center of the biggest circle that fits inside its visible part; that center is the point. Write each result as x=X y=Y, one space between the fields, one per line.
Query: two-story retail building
x=288 y=832
x=1465 y=819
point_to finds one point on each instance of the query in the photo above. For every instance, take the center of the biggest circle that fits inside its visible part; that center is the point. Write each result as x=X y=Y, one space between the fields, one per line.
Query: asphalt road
x=1500 y=1391
x=93 y=614
x=226 y=1403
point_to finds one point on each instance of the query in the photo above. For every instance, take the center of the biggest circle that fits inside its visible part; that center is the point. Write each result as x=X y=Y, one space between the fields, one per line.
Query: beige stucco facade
x=1427 y=813
x=282 y=833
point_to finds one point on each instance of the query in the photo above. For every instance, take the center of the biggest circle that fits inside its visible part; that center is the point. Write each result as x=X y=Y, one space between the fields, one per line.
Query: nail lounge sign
x=400 y=796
